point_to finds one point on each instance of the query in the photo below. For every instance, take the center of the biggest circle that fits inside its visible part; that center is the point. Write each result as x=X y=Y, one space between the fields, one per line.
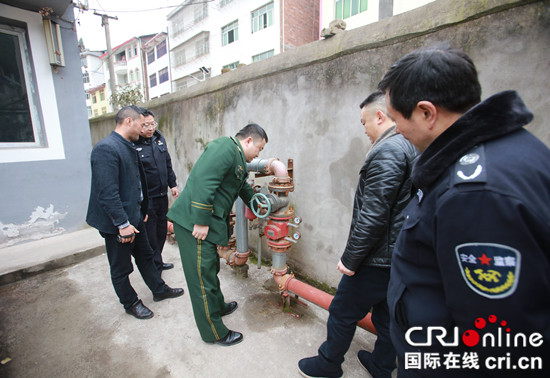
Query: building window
x=19 y=120
x=131 y=76
x=348 y=8
x=177 y=25
x=202 y=46
x=262 y=17
x=89 y=111
x=94 y=99
x=96 y=112
x=102 y=95
x=86 y=77
x=153 y=80
x=223 y=3
x=262 y=56
x=163 y=75
x=87 y=96
x=179 y=57
x=151 y=56
x=161 y=49
x=103 y=110
x=230 y=33
x=231 y=66
x=201 y=12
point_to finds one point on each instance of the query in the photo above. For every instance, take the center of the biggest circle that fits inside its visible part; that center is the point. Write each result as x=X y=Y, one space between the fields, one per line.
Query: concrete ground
x=67 y=322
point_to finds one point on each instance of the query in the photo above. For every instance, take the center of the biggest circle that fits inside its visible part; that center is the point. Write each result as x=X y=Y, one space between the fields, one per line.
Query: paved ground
x=67 y=322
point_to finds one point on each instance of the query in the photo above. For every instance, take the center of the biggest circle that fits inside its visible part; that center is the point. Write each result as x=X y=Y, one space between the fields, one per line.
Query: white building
x=129 y=65
x=92 y=73
x=206 y=37
x=358 y=13
x=157 y=67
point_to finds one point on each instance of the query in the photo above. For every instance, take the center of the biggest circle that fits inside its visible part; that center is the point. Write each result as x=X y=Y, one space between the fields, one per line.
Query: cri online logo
x=472 y=338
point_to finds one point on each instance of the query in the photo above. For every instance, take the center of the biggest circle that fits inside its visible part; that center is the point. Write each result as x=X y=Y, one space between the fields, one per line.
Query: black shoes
x=167 y=266
x=168 y=293
x=139 y=311
x=311 y=367
x=231 y=307
x=231 y=338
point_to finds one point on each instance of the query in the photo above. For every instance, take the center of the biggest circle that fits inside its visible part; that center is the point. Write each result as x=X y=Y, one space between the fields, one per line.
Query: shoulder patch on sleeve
x=490 y=270
x=471 y=167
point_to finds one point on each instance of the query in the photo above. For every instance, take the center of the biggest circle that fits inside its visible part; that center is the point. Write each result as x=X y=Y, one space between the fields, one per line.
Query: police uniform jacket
x=157 y=164
x=382 y=193
x=118 y=184
x=474 y=251
x=217 y=178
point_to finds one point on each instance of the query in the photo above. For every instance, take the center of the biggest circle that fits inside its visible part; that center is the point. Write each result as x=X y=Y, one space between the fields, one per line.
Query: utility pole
x=110 y=58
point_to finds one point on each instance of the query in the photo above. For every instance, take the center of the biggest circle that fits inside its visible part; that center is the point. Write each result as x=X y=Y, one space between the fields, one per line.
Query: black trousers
x=157 y=228
x=120 y=261
x=355 y=296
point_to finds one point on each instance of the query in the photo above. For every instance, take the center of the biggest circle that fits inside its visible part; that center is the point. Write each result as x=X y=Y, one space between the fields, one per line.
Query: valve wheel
x=262 y=202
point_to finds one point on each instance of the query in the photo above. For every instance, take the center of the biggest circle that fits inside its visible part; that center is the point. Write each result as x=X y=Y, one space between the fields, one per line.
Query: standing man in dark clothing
x=469 y=294
x=157 y=164
x=201 y=223
x=382 y=193
x=117 y=208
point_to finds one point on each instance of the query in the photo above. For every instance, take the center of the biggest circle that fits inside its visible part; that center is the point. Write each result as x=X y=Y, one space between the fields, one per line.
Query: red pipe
x=314 y=295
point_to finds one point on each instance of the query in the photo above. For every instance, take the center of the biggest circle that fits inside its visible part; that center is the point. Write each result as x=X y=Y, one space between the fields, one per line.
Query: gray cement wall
x=308 y=101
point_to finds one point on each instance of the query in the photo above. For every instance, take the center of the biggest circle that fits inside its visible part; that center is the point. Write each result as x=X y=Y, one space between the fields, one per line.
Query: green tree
x=126 y=95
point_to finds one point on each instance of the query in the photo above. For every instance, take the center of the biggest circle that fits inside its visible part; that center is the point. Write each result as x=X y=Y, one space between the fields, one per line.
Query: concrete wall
x=48 y=195
x=308 y=101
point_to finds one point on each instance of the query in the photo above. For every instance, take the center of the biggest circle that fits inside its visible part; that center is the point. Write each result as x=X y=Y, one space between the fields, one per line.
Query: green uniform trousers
x=201 y=265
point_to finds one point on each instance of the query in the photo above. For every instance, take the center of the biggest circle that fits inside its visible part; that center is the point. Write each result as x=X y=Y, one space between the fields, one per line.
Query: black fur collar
x=498 y=115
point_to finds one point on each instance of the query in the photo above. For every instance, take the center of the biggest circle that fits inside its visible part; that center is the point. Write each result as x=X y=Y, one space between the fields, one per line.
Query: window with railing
x=201 y=12
x=347 y=8
x=262 y=18
x=230 y=33
x=179 y=57
x=202 y=46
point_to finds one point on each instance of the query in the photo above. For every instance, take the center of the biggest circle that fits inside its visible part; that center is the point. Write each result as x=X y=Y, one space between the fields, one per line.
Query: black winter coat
x=383 y=191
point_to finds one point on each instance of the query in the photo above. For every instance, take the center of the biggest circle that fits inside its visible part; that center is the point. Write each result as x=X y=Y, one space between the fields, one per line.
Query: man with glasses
x=157 y=164
x=117 y=209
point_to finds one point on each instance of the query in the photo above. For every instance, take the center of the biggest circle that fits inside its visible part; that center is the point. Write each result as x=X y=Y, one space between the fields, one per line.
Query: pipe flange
x=279 y=272
x=242 y=255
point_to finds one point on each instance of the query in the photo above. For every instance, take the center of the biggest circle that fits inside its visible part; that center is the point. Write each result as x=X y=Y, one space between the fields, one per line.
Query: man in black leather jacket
x=382 y=193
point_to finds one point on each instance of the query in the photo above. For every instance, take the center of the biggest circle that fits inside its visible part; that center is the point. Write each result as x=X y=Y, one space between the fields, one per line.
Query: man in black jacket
x=117 y=209
x=382 y=193
x=472 y=262
x=157 y=164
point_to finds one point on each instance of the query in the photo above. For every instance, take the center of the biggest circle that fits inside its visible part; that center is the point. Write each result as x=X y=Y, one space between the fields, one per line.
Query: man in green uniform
x=201 y=222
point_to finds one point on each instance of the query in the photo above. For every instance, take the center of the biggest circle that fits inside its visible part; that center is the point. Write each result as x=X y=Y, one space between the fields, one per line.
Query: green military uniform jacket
x=218 y=177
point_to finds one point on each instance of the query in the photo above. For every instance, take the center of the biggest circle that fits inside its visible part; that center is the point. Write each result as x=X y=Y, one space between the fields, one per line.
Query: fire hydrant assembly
x=275 y=210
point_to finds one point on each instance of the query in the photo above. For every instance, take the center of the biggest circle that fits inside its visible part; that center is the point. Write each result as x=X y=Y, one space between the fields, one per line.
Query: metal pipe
x=241 y=226
x=288 y=283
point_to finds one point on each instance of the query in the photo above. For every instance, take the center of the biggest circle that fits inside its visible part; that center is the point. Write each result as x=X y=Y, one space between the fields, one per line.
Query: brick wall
x=300 y=22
